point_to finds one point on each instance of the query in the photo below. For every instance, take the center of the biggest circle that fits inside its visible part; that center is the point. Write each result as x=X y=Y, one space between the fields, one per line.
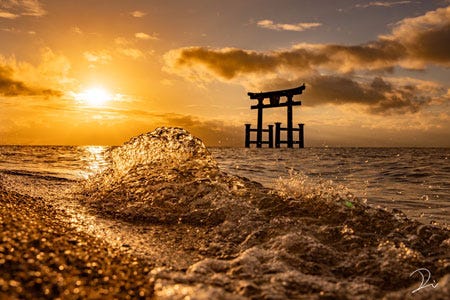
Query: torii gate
x=274 y=98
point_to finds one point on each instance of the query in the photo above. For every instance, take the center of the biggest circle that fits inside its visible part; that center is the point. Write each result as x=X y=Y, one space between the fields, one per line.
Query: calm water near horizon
x=414 y=180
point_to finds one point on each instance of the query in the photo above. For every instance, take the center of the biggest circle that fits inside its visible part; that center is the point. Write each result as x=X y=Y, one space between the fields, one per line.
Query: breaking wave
x=303 y=239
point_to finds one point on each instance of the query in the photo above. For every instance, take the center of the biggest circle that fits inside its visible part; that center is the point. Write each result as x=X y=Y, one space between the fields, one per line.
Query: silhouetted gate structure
x=274 y=101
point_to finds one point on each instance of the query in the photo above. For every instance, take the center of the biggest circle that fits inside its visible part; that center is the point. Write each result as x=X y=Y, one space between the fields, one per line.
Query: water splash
x=299 y=185
x=303 y=239
x=165 y=176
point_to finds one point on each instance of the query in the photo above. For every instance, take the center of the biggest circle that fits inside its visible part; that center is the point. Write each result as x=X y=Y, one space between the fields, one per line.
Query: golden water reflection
x=95 y=160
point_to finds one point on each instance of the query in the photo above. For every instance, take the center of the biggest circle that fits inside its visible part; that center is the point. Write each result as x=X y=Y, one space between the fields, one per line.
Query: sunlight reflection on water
x=95 y=160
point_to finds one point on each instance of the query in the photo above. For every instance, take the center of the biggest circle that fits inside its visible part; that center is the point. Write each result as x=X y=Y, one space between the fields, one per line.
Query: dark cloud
x=340 y=90
x=426 y=38
x=12 y=88
x=377 y=96
x=432 y=45
x=227 y=63
x=375 y=55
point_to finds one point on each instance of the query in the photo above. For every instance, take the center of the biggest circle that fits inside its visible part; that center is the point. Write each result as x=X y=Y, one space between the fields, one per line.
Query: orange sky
x=376 y=72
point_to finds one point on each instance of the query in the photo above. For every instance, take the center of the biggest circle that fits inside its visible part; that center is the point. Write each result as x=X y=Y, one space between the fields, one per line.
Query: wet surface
x=209 y=234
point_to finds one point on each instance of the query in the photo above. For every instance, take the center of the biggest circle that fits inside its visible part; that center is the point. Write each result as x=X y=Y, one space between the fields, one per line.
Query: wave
x=165 y=176
x=302 y=239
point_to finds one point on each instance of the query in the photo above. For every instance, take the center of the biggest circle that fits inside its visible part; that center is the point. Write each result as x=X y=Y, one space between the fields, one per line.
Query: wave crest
x=165 y=176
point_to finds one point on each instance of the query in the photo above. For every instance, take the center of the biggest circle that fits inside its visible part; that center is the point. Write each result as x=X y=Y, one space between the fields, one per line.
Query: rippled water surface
x=415 y=180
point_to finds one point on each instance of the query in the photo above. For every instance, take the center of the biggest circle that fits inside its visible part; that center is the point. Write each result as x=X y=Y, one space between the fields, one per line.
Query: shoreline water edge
x=192 y=230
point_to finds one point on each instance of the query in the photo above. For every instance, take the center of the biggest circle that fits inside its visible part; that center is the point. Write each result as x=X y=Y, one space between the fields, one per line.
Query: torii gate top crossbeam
x=281 y=93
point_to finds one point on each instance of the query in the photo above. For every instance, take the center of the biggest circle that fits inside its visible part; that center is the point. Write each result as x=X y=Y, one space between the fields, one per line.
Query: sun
x=94 y=96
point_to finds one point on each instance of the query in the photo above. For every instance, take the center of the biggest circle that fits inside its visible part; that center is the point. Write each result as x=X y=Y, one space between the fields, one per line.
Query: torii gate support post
x=290 y=137
x=247 y=135
x=260 y=123
x=301 y=136
x=277 y=134
x=270 y=136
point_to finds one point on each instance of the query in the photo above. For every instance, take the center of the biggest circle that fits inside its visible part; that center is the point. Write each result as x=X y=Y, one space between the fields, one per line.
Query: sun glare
x=95 y=96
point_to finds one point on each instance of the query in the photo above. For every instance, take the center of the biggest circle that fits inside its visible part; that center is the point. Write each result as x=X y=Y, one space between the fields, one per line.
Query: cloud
x=379 y=96
x=226 y=63
x=138 y=14
x=382 y=4
x=168 y=82
x=145 y=36
x=269 y=24
x=11 y=30
x=7 y=15
x=426 y=38
x=48 y=78
x=101 y=57
x=18 y=31
x=133 y=53
x=122 y=41
x=76 y=30
x=337 y=74
x=12 y=9
x=124 y=48
x=10 y=87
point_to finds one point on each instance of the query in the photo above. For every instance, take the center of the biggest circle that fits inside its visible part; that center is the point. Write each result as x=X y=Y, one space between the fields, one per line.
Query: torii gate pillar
x=259 y=126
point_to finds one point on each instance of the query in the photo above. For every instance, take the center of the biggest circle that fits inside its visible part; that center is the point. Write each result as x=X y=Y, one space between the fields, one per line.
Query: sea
x=413 y=180
x=237 y=223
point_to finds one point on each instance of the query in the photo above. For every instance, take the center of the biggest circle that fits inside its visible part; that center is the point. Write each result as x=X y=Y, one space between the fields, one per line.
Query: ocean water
x=336 y=223
x=414 y=180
